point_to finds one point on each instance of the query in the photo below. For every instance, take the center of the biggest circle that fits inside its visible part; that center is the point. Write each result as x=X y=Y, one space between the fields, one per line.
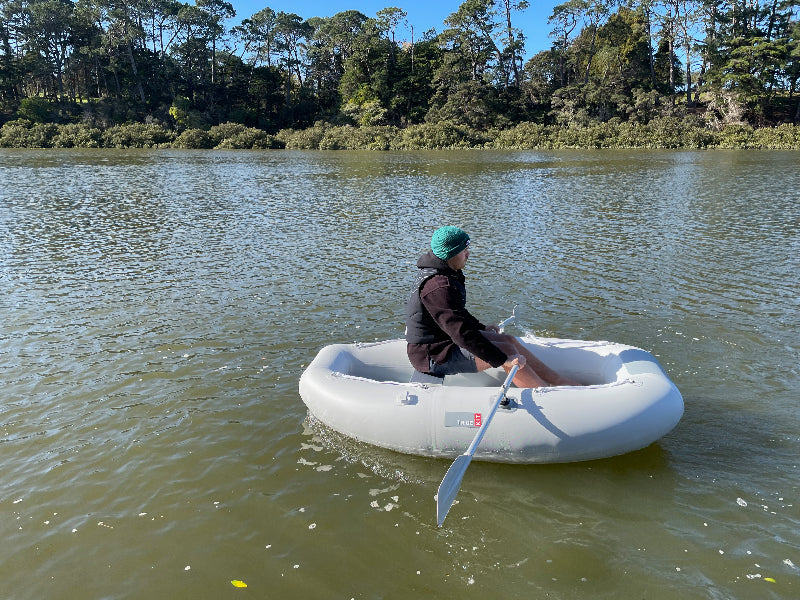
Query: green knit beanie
x=448 y=241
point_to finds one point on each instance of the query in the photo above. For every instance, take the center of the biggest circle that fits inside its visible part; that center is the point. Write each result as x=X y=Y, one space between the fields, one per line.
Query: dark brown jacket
x=437 y=319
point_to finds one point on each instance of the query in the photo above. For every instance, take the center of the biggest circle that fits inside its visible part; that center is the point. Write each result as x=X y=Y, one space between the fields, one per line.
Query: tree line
x=91 y=68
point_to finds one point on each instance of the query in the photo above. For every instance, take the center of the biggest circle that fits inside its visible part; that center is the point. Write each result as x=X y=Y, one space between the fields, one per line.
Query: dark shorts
x=459 y=361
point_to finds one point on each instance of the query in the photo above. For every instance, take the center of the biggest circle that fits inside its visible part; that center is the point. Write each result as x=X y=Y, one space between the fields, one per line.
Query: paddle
x=502 y=325
x=452 y=479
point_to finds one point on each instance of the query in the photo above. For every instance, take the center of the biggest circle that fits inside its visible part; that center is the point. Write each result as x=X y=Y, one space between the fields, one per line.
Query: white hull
x=360 y=390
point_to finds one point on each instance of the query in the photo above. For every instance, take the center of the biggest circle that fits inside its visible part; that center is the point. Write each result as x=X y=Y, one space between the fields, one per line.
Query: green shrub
x=380 y=137
x=24 y=134
x=76 y=135
x=250 y=139
x=138 y=135
x=524 y=136
x=735 y=136
x=221 y=132
x=35 y=109
x=438 y=136
x=194 y=139
x=303 y=139
x=634 y=135
x=348 y=137
x=340 y=138
x=782 y=137
x=666 y=132
x=573 y=136
x=698 y=137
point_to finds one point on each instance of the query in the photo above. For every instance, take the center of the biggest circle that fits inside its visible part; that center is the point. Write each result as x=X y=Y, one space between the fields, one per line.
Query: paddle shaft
x=451 y=483
x=482 y=431
x=502 y=325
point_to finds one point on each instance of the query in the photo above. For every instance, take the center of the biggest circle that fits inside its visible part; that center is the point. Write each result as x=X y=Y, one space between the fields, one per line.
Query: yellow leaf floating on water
x=770 y=579
x=238 y=583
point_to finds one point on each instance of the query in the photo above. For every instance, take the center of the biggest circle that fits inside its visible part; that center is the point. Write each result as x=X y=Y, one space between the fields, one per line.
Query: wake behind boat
x=626 y=402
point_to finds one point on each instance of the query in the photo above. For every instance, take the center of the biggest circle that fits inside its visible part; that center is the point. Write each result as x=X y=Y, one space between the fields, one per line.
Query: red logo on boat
x=477 y=419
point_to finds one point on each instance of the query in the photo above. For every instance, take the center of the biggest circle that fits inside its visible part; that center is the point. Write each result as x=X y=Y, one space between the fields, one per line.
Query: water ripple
x=158 y=308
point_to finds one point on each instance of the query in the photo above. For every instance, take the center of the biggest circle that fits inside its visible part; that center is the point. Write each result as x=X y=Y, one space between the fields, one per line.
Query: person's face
x=458 y=261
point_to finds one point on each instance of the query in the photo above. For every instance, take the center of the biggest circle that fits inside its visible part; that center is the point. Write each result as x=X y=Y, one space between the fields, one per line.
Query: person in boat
x=444 y=338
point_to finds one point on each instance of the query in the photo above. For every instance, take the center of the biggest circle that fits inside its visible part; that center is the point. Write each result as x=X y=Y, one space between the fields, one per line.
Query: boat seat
x=419 y=377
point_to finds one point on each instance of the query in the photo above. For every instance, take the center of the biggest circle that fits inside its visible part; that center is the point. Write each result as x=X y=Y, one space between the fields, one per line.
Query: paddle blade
x=450 y=485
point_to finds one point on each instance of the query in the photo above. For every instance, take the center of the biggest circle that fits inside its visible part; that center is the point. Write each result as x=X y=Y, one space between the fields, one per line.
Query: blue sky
x=423 y=14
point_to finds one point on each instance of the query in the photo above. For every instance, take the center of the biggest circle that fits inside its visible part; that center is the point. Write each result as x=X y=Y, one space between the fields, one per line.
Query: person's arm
x=444 y=304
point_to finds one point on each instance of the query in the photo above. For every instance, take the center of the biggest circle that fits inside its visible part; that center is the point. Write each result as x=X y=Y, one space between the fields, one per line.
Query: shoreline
x=668 y=133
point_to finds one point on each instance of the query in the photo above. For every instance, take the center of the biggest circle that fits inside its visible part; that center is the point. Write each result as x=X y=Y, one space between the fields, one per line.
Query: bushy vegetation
x=74 y=135
x=25 y=134
x=664 y=132
x=194 y=139
x=138 y=135
x=22 y=133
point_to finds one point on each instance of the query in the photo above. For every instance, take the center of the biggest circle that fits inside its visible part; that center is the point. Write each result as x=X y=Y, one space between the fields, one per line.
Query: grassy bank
x=664 y=132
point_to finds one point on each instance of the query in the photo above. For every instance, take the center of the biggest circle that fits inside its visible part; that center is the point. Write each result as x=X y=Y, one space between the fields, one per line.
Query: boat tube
x=626 y=402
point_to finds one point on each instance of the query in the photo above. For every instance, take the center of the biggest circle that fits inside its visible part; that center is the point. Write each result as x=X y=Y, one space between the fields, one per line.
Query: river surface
x=158 y=308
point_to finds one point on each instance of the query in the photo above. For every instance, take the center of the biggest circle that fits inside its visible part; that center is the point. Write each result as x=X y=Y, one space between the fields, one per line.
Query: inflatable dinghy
x=370 y=392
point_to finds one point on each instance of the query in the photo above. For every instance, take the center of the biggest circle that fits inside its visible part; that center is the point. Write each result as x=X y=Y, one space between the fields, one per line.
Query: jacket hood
x=431 y=261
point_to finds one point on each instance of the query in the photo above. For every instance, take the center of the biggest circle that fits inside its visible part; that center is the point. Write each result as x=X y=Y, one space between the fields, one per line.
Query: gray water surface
x=158 y=308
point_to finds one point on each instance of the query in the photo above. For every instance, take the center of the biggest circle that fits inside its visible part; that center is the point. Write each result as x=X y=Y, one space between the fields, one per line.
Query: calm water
x=158 y=308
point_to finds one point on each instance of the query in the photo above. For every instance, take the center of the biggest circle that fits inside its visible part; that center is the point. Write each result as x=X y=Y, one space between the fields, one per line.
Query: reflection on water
x=158 y=308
